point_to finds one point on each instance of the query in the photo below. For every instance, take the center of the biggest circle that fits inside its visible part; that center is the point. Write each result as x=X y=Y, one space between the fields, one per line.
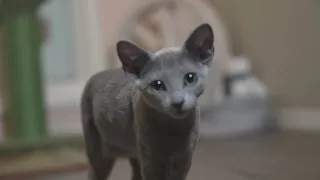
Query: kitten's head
x=172 y=79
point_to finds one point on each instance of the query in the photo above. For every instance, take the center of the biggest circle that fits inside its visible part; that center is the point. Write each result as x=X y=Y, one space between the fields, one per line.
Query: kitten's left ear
x=200 y=44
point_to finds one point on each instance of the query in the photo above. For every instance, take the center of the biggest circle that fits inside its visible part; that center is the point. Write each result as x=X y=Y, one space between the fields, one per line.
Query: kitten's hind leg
x=136 y=170
x=100 y=167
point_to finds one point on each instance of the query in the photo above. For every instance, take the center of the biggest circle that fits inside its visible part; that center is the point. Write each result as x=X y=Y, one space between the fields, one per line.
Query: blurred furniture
x=21 y=56
x=236 y=117
x=156 y=24
x=25 y=124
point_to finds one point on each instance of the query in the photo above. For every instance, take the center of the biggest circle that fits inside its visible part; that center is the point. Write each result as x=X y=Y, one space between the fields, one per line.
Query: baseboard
x=299 y=119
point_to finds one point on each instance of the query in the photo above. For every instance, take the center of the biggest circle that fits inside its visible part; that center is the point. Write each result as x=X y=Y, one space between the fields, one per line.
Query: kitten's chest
x=162 y=136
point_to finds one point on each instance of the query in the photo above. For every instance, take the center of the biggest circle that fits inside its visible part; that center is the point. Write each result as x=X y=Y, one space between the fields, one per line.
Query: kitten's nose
x=178 y=104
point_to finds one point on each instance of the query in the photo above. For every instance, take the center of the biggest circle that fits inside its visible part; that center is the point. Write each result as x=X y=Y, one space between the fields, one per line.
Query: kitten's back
x=111 y=90
x=108 y=80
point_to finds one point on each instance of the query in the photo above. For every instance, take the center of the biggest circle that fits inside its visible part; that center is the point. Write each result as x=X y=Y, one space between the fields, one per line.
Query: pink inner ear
x=131 y=69
x=135 y=64
x=204 y=55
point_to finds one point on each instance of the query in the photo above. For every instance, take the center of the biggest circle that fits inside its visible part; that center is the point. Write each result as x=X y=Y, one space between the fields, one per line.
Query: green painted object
x=23 y=68
x=11 y=7
x=26 y=125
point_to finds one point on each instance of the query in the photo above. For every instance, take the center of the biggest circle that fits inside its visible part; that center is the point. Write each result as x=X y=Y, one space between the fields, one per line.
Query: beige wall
x=283 y=39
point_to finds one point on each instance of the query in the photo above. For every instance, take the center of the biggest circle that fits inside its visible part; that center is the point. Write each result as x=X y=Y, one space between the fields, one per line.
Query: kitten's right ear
x=132 y=57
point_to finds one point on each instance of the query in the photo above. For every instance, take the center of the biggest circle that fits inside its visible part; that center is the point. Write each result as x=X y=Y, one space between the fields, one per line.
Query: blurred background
x=260 y=110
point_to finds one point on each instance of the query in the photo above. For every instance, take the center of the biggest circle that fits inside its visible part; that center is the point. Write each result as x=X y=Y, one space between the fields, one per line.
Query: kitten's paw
x=137 y=178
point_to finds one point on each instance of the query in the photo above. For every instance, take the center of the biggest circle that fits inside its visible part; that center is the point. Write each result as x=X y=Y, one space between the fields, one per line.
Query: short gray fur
x=147 y=111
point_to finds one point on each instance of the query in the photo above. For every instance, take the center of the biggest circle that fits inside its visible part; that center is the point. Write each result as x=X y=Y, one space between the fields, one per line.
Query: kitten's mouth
x=179 y=113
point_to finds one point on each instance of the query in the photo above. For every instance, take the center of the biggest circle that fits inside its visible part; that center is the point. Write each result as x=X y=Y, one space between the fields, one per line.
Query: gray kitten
x=147 y=111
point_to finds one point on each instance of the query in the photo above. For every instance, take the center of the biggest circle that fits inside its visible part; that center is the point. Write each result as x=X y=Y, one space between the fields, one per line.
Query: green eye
x=157 y=85
x=190 y=78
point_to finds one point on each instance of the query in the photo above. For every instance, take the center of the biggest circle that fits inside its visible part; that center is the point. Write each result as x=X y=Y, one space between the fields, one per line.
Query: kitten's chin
x=179 y=114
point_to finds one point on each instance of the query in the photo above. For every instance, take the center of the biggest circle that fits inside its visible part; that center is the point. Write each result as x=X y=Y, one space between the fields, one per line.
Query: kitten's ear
x=200 y=44
x=132 y=57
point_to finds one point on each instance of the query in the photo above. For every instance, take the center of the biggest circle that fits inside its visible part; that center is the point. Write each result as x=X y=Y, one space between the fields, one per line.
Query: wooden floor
x=280 y=156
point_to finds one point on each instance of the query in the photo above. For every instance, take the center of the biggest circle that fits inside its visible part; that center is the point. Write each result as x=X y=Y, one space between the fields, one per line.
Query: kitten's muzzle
x=177 y=104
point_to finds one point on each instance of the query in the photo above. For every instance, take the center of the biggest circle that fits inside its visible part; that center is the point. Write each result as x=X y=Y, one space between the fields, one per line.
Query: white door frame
x=89 y=55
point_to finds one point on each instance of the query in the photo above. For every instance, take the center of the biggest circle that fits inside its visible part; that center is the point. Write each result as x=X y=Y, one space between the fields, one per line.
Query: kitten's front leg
x=166 y=168
x=136 y=170
x=154 y=169
x=179 y=166
x=153 y=164
x=158 y=166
